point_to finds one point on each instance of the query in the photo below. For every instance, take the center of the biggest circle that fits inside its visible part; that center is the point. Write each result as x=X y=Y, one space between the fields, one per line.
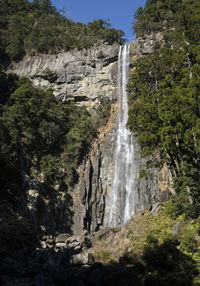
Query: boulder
x=43 y=244
x=60 y=245
x=62 y=237
x=82 y=259
x=74 y=242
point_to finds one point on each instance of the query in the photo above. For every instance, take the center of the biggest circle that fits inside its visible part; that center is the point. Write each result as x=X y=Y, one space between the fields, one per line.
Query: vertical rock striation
x=95 y=181
x=82 y=76
x=115 y=182
x=85 y=77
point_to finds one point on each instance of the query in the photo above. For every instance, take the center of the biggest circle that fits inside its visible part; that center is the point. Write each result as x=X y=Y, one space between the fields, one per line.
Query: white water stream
x=124 y=183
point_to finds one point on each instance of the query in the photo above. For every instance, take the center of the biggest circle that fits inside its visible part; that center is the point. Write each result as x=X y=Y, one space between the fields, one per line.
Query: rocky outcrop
x=95 y=181
x=50 y=264
x=146 y=45
x=92 y=193
x=83 y=76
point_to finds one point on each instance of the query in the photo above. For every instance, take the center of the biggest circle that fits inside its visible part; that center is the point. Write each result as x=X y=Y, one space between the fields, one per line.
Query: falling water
x=124 y=183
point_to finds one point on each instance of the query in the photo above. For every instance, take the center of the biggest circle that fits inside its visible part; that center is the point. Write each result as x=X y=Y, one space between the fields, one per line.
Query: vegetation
x=163 y=15
x=165 y=90
x=49 y=139
x=158 y=250
x=37 y=28
x=40 y=134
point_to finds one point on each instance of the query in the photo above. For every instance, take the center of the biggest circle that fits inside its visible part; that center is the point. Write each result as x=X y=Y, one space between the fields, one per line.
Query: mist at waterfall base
x=120 y=14
x=122 y=196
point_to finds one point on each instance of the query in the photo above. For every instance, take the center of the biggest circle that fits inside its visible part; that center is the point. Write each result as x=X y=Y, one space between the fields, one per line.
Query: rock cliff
x=85 y=77
x=93 y=191
x=52 y=217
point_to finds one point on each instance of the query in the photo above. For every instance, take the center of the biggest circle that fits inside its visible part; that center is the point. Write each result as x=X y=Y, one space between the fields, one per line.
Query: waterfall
x=121 y=206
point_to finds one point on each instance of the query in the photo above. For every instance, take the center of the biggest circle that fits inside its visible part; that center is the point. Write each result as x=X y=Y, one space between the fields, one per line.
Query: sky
x=119 y=12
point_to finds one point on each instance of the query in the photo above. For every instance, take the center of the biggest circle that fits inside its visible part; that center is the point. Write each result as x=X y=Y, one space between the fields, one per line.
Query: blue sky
x=120 y=12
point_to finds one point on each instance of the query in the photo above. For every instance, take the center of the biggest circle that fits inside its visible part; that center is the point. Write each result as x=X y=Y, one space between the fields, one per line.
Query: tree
x=164 y=102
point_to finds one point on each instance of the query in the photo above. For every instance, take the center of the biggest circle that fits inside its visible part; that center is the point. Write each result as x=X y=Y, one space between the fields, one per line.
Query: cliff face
x=91 y=195
x=95 y=181
x=86 y=77
x=83 y=76
x=93 y=191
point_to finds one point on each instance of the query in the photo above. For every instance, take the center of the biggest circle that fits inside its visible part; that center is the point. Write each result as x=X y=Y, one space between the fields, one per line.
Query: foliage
x=165 y=88
x=155 y=256
x=164 y=257
x=39 y=132
x=104 y=255
x=159 y=16
x=103 y=111
x=165 y=264
x=38 y=28
x=188 y=242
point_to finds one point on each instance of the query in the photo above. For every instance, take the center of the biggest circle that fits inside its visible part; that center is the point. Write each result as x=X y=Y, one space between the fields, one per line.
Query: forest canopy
x=38 y=28
x=165 y=95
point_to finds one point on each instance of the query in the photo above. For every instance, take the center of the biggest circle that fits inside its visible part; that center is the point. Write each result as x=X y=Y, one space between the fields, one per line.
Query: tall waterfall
x=124 y=182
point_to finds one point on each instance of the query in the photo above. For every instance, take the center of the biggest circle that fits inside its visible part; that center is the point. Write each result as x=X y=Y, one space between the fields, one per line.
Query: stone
x=60 y=244
x=50 y=241
x=82 y=259
x=197 y=237
x=80 y=76
x=176 y=228
x=156 y=208
x=146 y=45
x=43 y=244
x=74 y=244
x=164 y=196
x=63 y=237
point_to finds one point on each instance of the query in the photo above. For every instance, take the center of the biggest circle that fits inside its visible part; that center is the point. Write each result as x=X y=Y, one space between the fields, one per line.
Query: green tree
x=164 y=102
